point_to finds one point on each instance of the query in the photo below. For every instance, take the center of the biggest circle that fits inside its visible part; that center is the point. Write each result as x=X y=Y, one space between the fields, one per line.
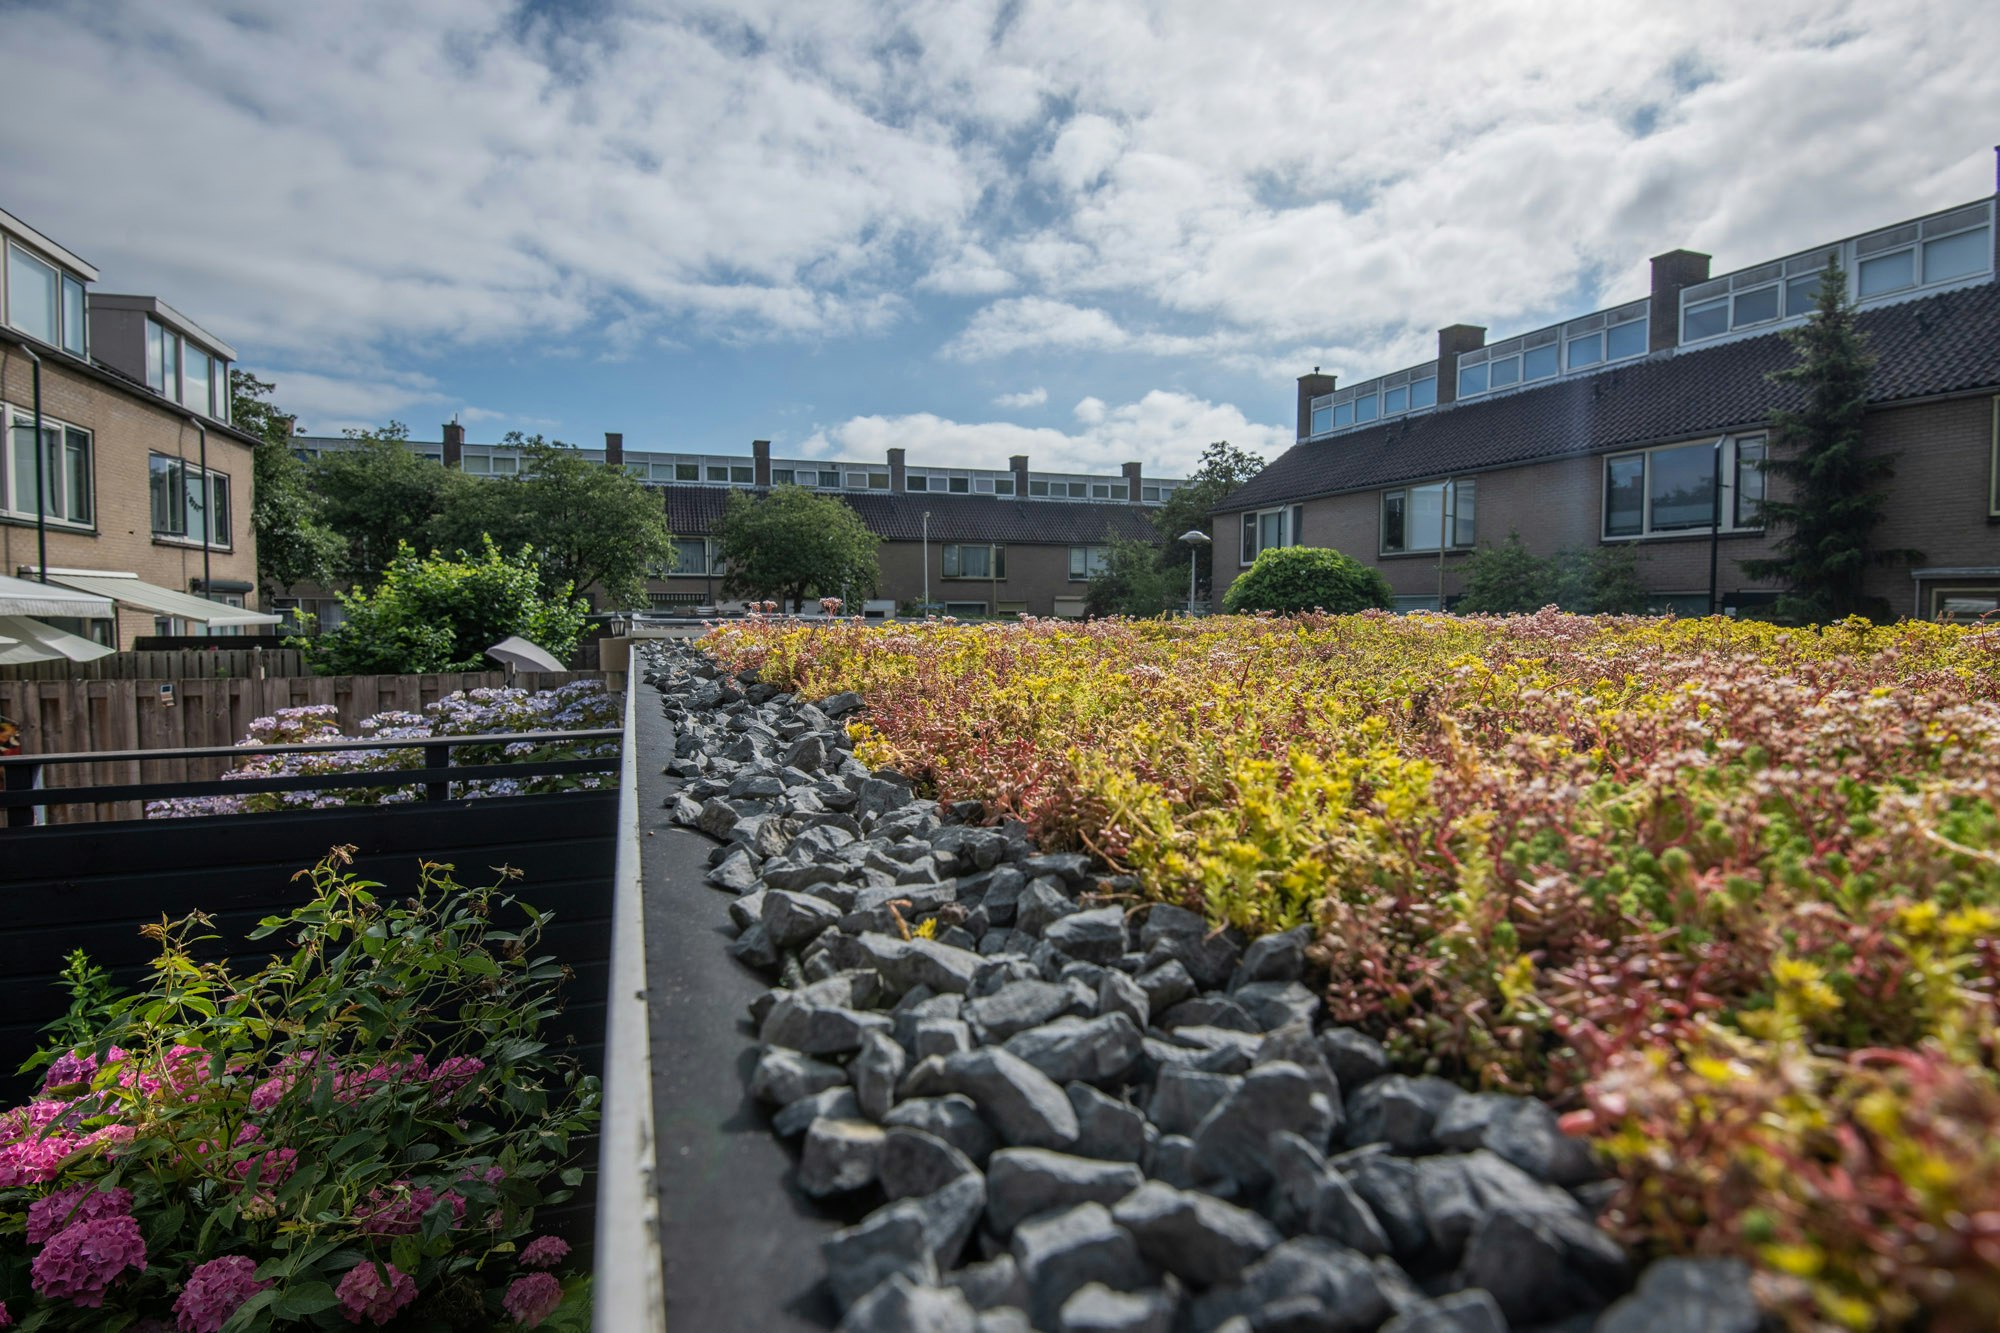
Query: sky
x=1089 y=232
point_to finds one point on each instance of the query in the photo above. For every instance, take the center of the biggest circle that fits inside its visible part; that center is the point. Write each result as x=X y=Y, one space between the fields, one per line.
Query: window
x=878 y=481
x=1416 y=518
x=743 y=476
x=1149 y=492
x=1038 y=488
x=965 y=608
x=1364 y=409
x=1267 y=529
x=975 y=562
x=1587 y=350
x=1099 y=491
x=1759 y=306
x=982 y=485
x=1957 y=256
x=183 y=507
x=194 y=379
x=781 y=476
x=691 y=557
x=829 y=478
x=163 y=356
x=1881 y=274
x=33 y=296
x=1471 y=380
x=1003 y=486
x=960 y=485
x=1801 y=295
x=506 y=465
x=1672 y=489
x=1993 y=472
x=67 y=489
x=1343 y=415
x=857 y=481
x=73 y=324
x=1076 y=490
x=917 y=482
x=1396 y=400
x=1539 y=363
x=1705 y=319
x=1322 y=417
x=1627 y=339
x=1087 y=562
x=718 y=473
x=1424 y=392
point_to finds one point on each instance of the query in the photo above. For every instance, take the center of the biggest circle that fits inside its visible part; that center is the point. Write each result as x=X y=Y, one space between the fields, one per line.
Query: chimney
x=454 y=444
x=614 y=450
x=1019 y=462
x=760 y=458
x=1132 y=482
x=897 y=472
x=1311 y=386
x=1673 y=272
x=1452 y=340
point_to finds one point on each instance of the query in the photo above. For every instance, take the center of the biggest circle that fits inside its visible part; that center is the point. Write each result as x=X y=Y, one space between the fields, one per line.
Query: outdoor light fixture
x=1195 y=538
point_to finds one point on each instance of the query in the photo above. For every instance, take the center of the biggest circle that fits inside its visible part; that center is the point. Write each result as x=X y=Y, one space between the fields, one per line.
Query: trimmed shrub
x=1288 y=579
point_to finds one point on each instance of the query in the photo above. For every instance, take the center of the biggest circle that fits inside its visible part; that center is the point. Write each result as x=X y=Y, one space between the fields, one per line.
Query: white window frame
x=1453 y=492
x=1086 y=562
x=951 y=559
x=57 y=485
x=1252 y=543
x=1732 y=461
x=57 y=313
x=1993 y=472
x=222 y=540
x=708 y=562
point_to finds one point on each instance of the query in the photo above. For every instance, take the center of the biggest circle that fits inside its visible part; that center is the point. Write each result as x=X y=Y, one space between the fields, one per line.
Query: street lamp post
x=1195 y=538
x=927 y=562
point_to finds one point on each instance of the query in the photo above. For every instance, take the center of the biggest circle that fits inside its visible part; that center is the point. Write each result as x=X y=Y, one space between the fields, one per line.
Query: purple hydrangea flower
x=213 y=1293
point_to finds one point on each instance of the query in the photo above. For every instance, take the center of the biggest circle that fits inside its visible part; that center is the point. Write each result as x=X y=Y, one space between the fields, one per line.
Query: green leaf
x=305 y=1298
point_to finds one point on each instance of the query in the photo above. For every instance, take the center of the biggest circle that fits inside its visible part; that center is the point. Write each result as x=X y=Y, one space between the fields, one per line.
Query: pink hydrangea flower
x=399 y=1210
x=544 y=1252
x=6 y=1320
x=78 y=1203
x=271 y=1168
x=71 y=1069
x=364 y=1295
x=213 y=1293
x=532 y=1298
x=33 y=1161
x=81 y=1262
x=453 y=1075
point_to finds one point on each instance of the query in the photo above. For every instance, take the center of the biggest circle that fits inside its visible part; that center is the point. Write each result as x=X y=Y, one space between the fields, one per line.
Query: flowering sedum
x=1552 y=854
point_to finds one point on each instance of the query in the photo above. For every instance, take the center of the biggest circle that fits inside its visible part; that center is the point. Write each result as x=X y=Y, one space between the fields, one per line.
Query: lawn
x=1726 y=893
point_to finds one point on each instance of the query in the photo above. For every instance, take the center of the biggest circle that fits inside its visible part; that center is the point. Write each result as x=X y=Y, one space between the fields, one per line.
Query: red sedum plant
x=361 y=1132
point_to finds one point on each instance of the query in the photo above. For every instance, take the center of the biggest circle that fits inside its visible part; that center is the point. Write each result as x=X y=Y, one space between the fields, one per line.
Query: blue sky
x=1089 y=232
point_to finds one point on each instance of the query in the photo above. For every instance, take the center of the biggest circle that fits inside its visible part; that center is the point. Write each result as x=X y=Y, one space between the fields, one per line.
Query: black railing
x=20 y=796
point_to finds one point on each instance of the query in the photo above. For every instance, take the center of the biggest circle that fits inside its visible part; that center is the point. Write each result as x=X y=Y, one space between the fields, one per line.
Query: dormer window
x=44 y=302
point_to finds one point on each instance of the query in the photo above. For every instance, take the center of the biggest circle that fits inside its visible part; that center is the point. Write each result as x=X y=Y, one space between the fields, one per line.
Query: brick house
x=145 y=486
x=995 y=540
x=1610 y=427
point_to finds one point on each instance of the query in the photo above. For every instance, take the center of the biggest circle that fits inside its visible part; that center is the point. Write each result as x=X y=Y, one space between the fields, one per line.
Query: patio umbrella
x=23 y=640
x=517 y=654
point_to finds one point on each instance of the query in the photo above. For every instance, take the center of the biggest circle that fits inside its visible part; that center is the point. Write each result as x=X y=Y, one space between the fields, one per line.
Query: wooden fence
x=76 y=716
x=169 y=664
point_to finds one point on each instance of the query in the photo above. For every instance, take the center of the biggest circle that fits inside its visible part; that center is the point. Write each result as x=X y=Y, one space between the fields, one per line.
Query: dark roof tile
x=1947 y=343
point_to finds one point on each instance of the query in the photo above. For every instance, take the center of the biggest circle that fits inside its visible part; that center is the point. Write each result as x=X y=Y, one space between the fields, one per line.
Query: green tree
x=1132 y=583
x=1823 y=528
x=294 y=543
x=791 y=544
x=1286 y=579
x=1512 y=580
x=591 y=525
x=380 y=494
x=441 y=613
x=1223 y=468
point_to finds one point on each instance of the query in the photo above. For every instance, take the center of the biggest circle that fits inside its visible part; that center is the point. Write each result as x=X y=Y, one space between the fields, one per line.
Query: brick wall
x=1036 y=576
x=125 y=430
x=1938 y=505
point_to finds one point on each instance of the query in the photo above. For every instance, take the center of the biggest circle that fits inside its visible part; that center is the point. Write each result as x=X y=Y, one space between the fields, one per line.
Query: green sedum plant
x=360 y=1132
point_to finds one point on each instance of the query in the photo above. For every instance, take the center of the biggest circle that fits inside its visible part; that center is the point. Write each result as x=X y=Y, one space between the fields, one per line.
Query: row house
x=138 y=491
x=1613 y=427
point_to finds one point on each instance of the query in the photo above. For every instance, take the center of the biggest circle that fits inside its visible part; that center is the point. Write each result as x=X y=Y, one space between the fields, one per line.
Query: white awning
x=23 y=640
x=129 y=590
x=22 y=597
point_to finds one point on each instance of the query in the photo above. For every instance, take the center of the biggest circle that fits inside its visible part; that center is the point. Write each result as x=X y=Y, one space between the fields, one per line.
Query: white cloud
x=1034 y=397
x=1164 y=431
x=1089 y=411
x=1035 y=323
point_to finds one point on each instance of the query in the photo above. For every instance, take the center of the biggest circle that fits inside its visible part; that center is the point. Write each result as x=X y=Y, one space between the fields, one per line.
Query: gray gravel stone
x=1065 y=1251
x=1096 y=1308
x=992 y=1284
x=753 y=948
x=1273 y=1004
x=1024 y=1182
x=1095 y=936
x=1540 y=1267
x=1294 y=1042
x=1107 y=1128
x=1015 y=1007
x=1166 y=985
x=1072 y=868
x=940 y=1036
x=887 y=1242
x=1280 y=957
x=1340 y=1214
x=875 y=1070
x=1199 y=1239
x=1521 y=1130
x=897 y=1305
x=1399 y=1111
x=785 y=1076
x=1297 y=1168
x=1100 y=1051
x=1002 y=895
x=1120 y=994
x=834 y=1103
x=794 y=918
x=818 y=1029
x=953 y=1119
x=1355 y=1057
x=1006 y=1319
x=1388 y=1185
x=1472 y=1311
x=907 y=963
x=1210 y=960
x=839 y=1156
x=736 y=872
x=747 y=910
x=915 y=1163
x=1182 y=1097
x=1041 y=903
x=1456 y=1191
x=1687 y=1296
x=1232 y=1142
x=718 y=817
x=1210 y=1011
x=1022 y=1104
x=1310 y=1278
x=951 y=1214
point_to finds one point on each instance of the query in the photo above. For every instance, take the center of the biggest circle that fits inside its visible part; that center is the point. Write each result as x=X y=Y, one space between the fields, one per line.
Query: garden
x=1725 y=894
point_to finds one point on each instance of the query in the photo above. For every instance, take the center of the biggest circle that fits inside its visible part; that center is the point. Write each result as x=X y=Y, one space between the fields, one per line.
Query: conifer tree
x=1824 y=525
